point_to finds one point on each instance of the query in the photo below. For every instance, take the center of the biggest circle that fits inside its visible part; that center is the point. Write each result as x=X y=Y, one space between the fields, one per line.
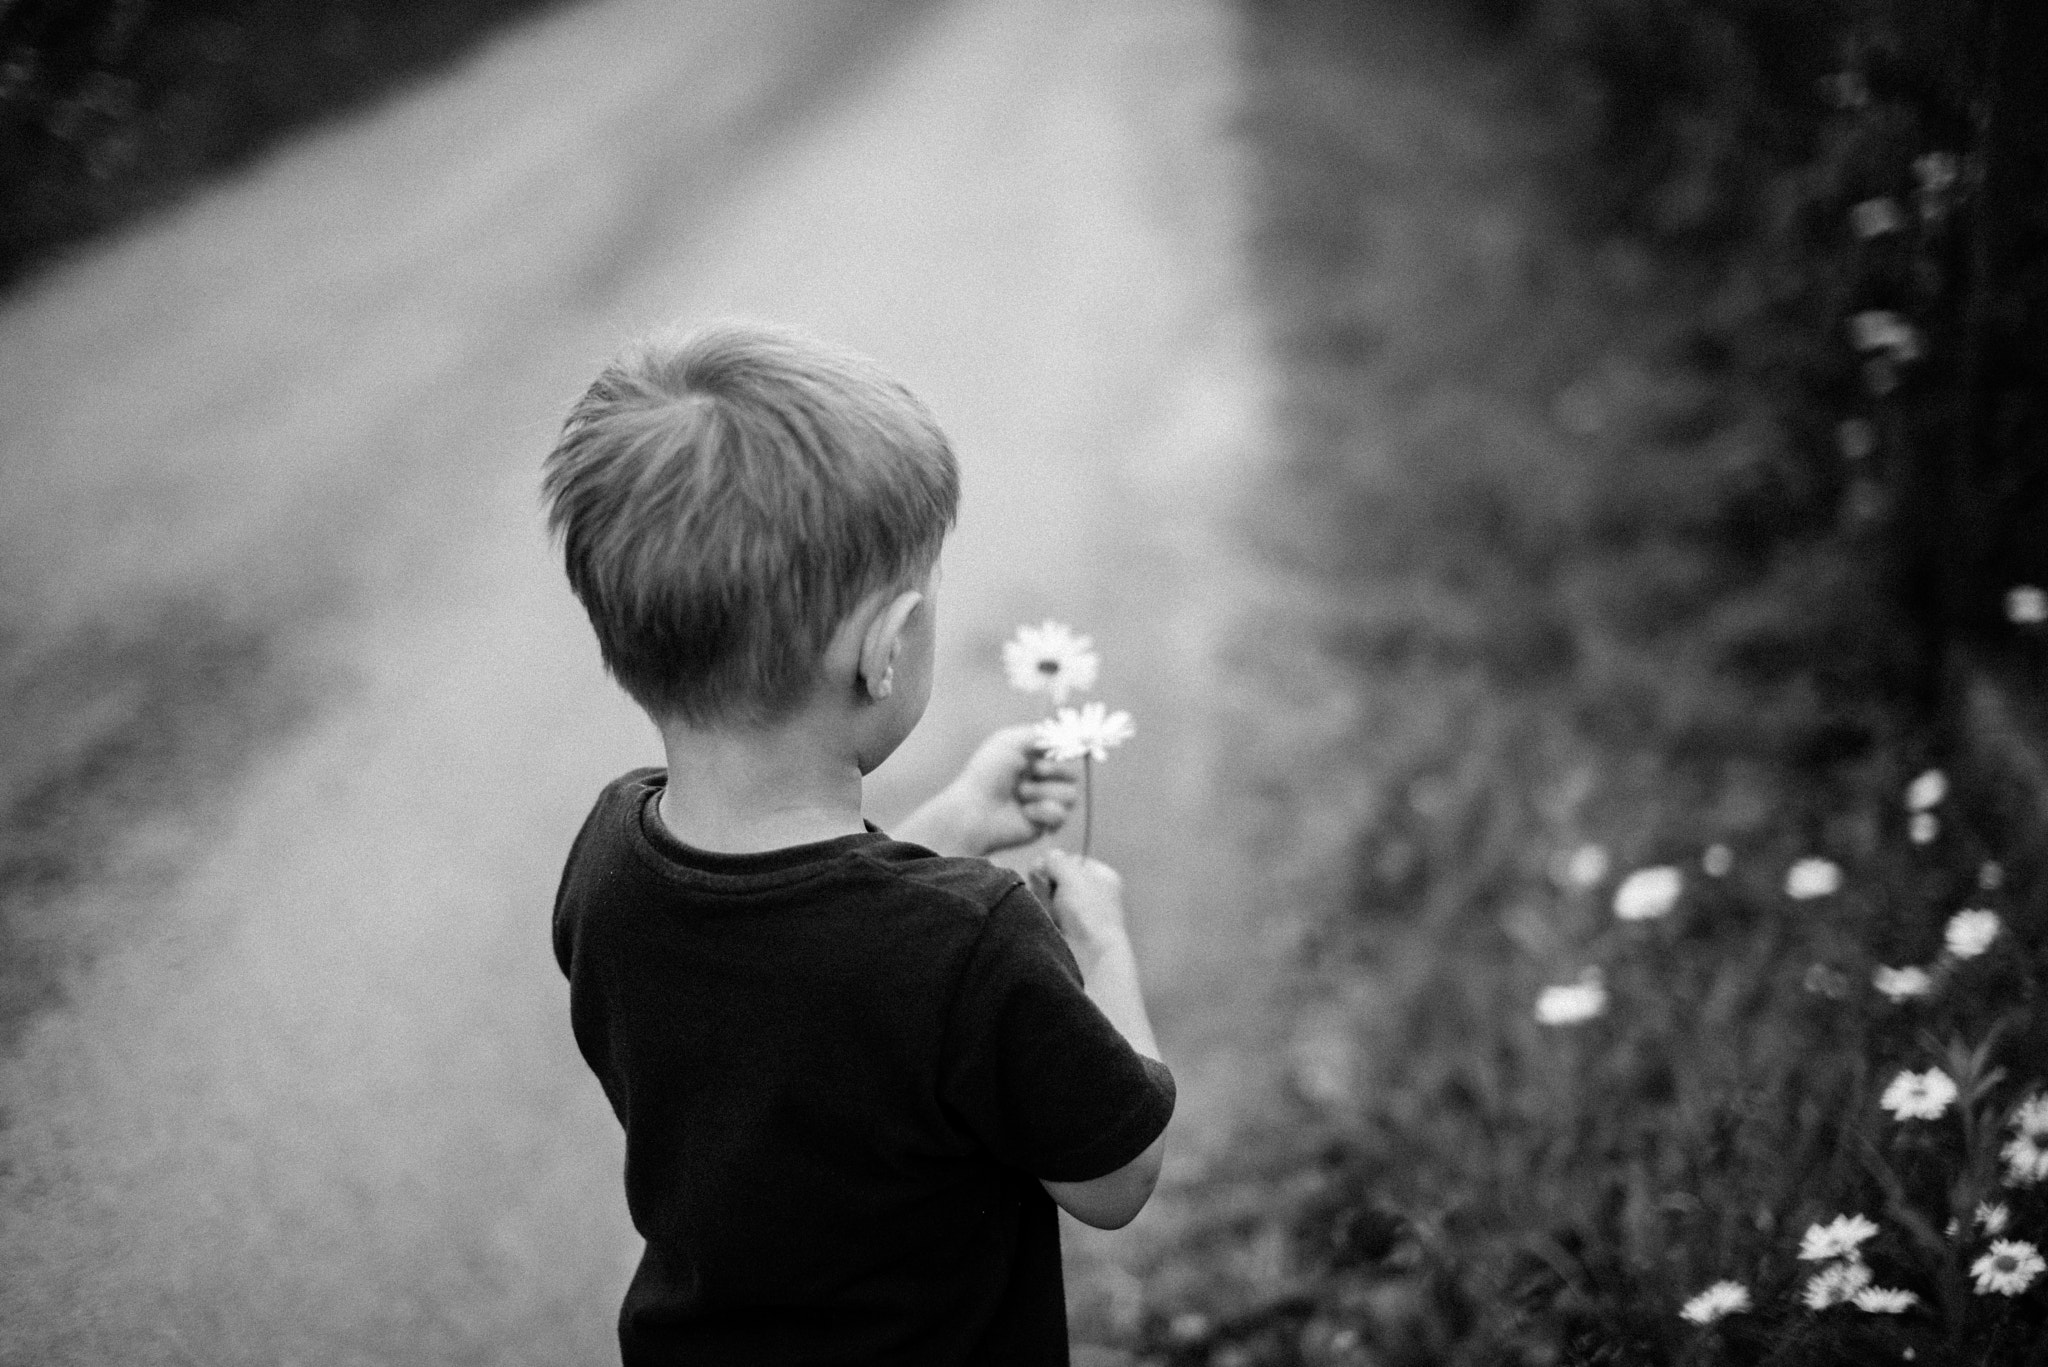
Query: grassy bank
x=1600 y=609
x=111 y=108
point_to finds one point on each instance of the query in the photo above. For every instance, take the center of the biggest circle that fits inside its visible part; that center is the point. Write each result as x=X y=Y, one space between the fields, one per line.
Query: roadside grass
x=1594 y=613
x=108 y=111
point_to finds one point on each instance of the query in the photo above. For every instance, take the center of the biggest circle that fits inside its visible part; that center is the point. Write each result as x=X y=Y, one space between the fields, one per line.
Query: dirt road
x=288 y=1076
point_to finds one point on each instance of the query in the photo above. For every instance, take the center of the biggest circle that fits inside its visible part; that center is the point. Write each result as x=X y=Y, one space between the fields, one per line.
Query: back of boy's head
x=725 y=498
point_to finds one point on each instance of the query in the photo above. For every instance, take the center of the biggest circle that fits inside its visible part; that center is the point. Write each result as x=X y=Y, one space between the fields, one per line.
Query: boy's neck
x=741 y=792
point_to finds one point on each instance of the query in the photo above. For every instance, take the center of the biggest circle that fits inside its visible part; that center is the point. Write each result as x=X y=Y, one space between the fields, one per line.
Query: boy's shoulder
x=623 y=826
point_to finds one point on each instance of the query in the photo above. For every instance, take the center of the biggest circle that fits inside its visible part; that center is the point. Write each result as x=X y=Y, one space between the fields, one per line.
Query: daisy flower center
x=1048 y=666
x=2005 y=1262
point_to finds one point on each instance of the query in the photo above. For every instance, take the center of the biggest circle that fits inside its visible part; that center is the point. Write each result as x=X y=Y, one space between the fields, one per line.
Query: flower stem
x=1087 y=803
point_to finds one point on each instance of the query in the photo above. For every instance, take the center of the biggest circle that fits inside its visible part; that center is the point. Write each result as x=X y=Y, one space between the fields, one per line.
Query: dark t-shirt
x=841 y=1068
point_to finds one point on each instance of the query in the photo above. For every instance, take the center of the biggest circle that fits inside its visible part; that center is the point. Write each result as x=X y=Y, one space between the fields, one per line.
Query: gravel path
x=288 y=1074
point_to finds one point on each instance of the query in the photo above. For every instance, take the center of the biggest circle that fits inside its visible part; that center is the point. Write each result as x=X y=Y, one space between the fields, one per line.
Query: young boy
x=855 y=1073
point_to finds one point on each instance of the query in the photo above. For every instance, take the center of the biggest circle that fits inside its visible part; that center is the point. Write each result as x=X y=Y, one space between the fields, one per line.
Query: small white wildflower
x=1586 y=866
x=2008 y=1269
x=1648 y=893
x=1050 y=658
x=1571 y=1003
x=1992 y=1216
x=1840 y=1237
x=1919 y=1096
x=1876 y=217
x=1722 y=1298
x=1882 y=330
x=1091 y=730
x=1937 y=171
x=1856 y=438
x=1882 y=1300
x=1927 y=792
x=2026 y=605
x=1922 y=827
x=2026 y=1153
x=1970 y=932
x=1899 y=984
x=1991 y=875
x=2026 y=1159
x=1835 y=1284
x=1813 y=877
x=1718 y=861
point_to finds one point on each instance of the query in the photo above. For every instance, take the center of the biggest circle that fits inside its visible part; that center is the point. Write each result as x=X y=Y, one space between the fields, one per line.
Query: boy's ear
x=883 y=642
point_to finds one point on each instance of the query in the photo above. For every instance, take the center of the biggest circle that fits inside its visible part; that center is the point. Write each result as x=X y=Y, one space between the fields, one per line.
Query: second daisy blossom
x=1090 y=731
x=1087 y=733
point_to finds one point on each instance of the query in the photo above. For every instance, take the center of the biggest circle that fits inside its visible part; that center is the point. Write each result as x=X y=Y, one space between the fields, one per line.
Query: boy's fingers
x=1047 y=815
x=1044 y=766
x=1048 y=790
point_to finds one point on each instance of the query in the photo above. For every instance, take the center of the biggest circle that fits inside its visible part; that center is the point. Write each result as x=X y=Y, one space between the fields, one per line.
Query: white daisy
x=2031 y=1115
x=1919 y=1096
x=2026 y=605
x=1922 y=827
x=1882 y=1300
x=1898 y=984
x=1970 y=932
x=1927 y=791
x=1992 y=1216
x=1937 y=171
x=1050 y=658
x=2026 y=1159
x=1840 y=1237
x=1876 y=217
x=1648 y=893
x=1835 y=1284
x=1717 y=861
x=2008 y=1269
x=1091 y=729
x=1885 y=331
x=1813 y=877
x=1585 y=866
x=1722 y=1298
x=1571 y=1003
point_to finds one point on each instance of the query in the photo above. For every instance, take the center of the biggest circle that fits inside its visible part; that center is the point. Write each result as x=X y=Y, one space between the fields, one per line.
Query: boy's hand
x=1087 y=901
x=1008 y=794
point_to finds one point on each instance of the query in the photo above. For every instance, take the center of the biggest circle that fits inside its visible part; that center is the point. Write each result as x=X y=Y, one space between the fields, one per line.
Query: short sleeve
x=1033 y=1070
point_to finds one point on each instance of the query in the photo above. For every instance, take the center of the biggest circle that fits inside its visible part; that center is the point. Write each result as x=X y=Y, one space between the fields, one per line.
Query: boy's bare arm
x=1007 y=794
x=1086 y=897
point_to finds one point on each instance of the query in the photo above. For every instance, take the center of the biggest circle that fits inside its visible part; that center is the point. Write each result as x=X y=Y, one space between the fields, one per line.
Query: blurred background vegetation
x=109 y=108
x=1675 y=464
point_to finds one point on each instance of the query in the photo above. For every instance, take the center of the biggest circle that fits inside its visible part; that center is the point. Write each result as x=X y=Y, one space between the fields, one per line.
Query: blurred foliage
x=1609 y=502
x=109 y=108
x=1827 y=161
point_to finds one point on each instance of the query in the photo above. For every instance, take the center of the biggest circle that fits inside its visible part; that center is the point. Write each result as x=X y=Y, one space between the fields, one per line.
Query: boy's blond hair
x=723 y=500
